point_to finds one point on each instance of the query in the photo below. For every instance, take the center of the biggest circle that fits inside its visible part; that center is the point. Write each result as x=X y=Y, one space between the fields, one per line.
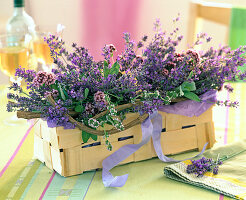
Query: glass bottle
x=20 y=23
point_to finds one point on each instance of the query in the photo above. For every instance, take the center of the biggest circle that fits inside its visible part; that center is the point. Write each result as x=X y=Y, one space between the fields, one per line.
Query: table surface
x=22 y=177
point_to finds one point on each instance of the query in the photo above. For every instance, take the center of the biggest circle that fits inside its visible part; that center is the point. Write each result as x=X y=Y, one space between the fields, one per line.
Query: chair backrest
x=216 y=12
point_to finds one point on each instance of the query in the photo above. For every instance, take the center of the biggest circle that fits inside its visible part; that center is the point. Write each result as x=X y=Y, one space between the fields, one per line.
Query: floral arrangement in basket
x=85 y=93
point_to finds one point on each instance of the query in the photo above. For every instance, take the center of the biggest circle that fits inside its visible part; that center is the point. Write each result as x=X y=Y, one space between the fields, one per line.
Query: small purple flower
x=51 y=78
x=44 y=78
x=194 y=55
x=40 y=78
x=171 y=64
x=108 y=51
x=139 y=58
x=126 y=37
x=215 y=170
x=54 y=93
x=179 y=57
x=89 y=109
x=203 y=165
x=229 y=88
x=165 y=72
x=12 y=96
x=208 y=39
x=72 y=93
x=140 y=44
x=144 y=38
x=99 y=97
x=111 y=48
x=15 y=87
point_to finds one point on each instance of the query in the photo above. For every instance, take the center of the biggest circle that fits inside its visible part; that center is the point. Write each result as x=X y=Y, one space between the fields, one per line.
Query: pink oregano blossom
x=44 y=78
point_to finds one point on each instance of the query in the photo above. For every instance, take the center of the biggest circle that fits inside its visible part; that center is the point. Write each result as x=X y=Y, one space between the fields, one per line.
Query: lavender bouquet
x=85 y=93
x=181 y=74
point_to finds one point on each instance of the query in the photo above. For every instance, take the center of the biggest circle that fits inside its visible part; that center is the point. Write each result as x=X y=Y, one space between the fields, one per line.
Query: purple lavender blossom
x=54 y=93
x=144 y=38
x=27 y=75
x=203 y=165
x=159 y=70
x=15 y=87
x=215 y=170
x=229 y=88
x=140 y=44
x=108 y=51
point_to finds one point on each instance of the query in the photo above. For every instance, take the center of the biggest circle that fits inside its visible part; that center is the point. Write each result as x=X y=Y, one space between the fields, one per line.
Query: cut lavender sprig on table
x=201 y=166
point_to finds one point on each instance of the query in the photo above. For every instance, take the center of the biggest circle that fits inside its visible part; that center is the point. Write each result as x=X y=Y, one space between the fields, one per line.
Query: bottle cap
x=18 y=3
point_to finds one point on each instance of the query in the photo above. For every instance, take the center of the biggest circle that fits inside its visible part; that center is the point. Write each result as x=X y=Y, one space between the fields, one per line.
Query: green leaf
x=61 y=92
x=79 y=108
x=94 y=137
x=115 y=68
x=105 y=63
x=86 y=92
x=65 y=93
x=106 y=70
x=36 y=111
x=180 y=91
x=54 y=86
x=190 y=75
x=192 y=96
x=85 y=136
x=188 y=86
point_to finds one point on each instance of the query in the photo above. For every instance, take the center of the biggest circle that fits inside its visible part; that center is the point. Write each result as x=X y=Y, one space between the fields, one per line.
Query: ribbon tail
x=110 y=181
x=121 y=154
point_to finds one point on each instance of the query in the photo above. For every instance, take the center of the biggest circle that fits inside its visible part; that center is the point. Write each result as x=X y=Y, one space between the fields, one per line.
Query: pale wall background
x=68 y=13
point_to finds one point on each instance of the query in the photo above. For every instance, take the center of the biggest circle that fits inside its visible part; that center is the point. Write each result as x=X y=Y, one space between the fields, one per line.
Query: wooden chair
x=215 y=12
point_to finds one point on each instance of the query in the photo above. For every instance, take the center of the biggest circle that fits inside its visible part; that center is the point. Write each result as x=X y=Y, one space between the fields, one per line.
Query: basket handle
x=83 y=127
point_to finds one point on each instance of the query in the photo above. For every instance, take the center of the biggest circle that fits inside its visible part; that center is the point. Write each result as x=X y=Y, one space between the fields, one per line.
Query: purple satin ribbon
x=153 y=129
x=191 y=108
x=121 y=154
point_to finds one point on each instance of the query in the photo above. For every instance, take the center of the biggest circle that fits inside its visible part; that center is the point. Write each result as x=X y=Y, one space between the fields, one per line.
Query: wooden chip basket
x=64 y=151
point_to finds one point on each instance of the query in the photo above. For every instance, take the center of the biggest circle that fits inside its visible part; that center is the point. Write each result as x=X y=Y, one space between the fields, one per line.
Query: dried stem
x=83 y=127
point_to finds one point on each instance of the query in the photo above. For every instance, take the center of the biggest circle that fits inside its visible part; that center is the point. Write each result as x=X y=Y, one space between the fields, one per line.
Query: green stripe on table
x=54 y=188
x=31 y=170
x=39 y=183
x=32 y=181
x=82 y=185
x=16 y=167
x=67 y=188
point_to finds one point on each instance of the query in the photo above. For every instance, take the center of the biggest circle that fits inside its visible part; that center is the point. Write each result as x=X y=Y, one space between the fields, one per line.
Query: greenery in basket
x=145 y=76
